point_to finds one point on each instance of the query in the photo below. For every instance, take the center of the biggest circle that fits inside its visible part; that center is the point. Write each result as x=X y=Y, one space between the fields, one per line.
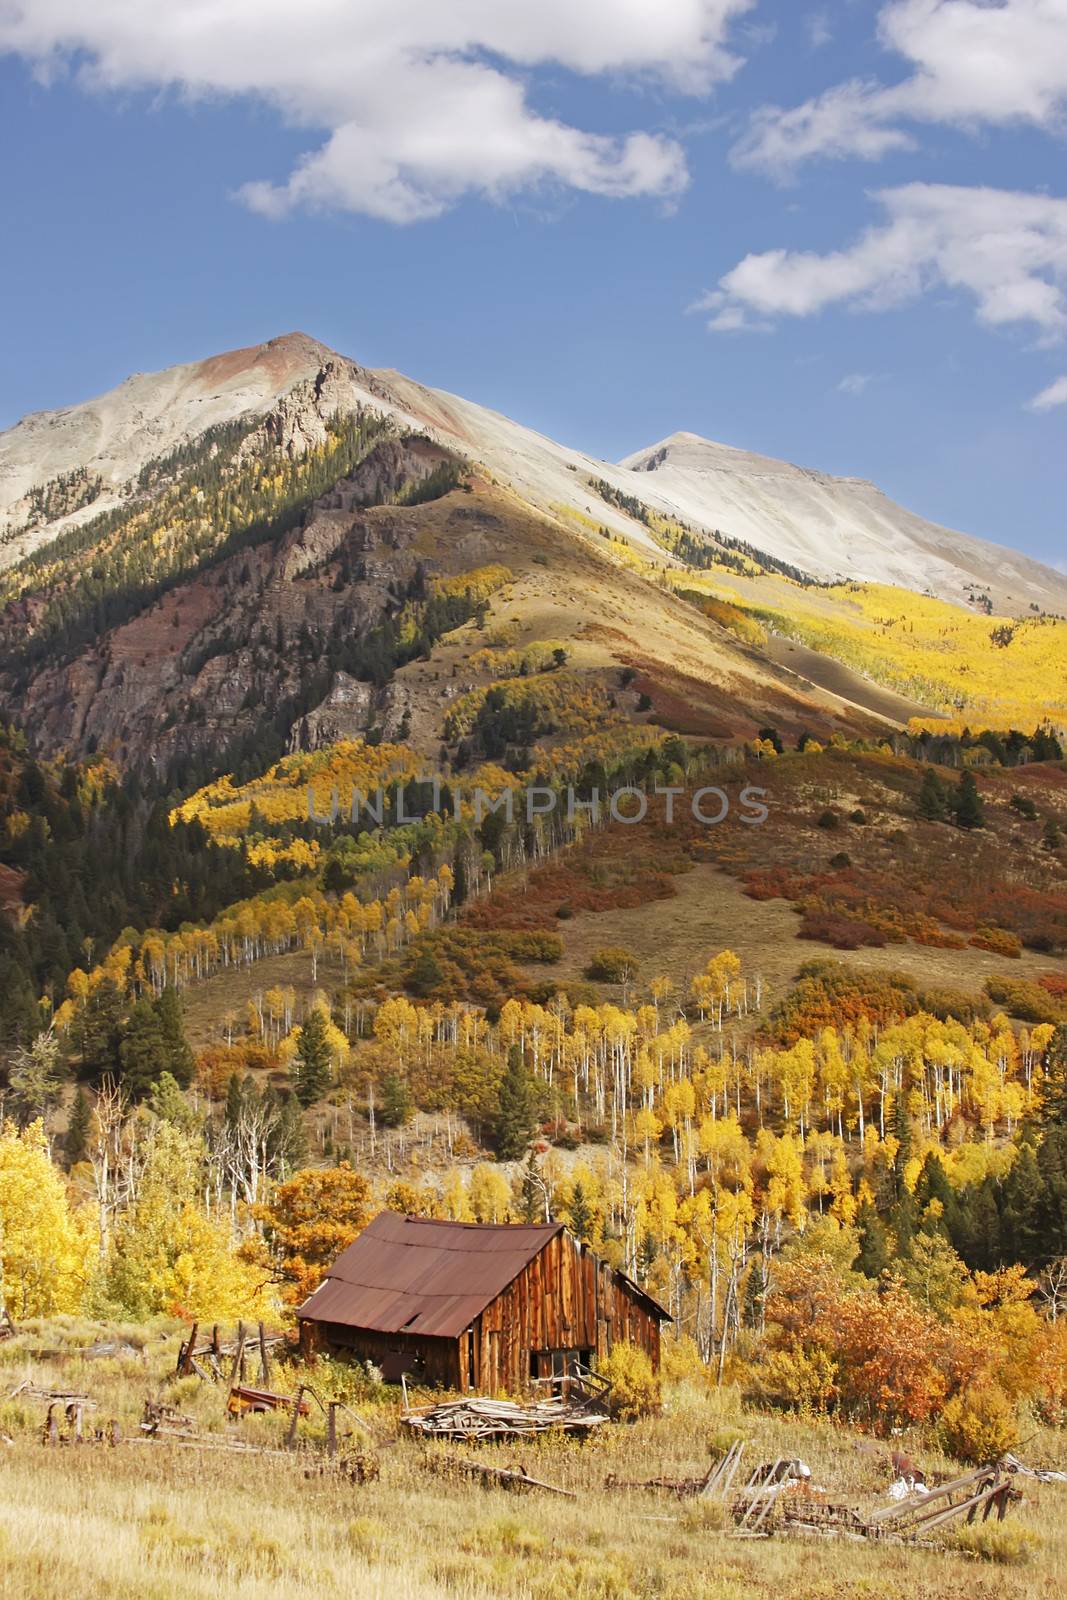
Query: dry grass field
x=159 y=1521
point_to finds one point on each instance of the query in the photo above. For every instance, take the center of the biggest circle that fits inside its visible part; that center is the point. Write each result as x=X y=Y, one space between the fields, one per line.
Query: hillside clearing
x=710 y=912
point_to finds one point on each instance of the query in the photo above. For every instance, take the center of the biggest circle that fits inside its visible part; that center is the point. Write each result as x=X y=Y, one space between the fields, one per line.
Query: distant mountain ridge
x=63 y=467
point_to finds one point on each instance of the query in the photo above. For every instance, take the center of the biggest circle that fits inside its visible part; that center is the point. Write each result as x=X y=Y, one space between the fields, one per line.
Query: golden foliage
x=46 y=1247
x=1001 y=671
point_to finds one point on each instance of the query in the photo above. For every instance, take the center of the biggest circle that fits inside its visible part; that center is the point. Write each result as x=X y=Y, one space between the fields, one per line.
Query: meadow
x=144 y=1521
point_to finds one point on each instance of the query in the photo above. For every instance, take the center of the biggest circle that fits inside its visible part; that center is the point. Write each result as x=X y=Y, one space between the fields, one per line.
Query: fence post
x=290 y=1438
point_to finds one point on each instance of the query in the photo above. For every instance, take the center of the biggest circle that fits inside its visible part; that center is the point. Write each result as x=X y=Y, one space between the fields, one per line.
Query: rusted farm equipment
x=756 y=1500
x=75 y=1432
x=714 y=1485
x=243 y=1399
x=991 y=1488
x=160 y=1421
x=65 y=1418
x=776 y=1499
x=764 y=1506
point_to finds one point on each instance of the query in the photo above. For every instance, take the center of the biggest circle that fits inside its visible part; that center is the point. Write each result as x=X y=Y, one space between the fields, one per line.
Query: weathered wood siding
x=564 y=1300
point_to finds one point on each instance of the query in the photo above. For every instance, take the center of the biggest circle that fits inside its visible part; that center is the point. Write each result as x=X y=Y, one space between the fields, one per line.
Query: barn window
x=559 y=1363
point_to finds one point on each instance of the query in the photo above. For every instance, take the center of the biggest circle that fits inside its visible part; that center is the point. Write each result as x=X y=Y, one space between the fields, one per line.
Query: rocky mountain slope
x=277 y=548
x=836 y=528
x=64 y=467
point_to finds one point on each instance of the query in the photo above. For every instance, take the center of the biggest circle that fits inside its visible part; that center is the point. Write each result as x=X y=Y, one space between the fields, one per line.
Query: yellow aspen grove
x=46 y=1249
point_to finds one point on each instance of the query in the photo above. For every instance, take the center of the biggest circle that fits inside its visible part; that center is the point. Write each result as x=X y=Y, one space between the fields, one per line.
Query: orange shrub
x=1000 y=940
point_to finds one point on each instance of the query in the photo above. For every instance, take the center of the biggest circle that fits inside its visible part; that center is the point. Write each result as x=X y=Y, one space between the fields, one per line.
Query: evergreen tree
x=1054 y=1089
x=935 y=1198
x=425 y=976
x=35 y=1076
x=96 y=1032
x=752 y=1312
x=77 y=1140
x=933 y=798
x=142 y=1050
x=169 y=1104
x=396 y=1106
x=311 y=1073
x=1022 y=1195
x=1052 y=1166
x=1045 y=746
x=905 y=1146
x=903 y=1219
x=872 y=1257
x=982 y=1228
x=967 y=807
x=20 y=1017
x=234 y=1100
x=579 y=1215
x=515 y=1108
x=533 y=1191
x=178 y=1057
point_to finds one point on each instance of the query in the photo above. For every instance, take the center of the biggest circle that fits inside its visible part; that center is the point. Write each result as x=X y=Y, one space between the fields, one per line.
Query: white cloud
x=973 y=62
x=1054 y=395
x=1007 y=250
x=421 y=101
x=855 y=382
x=819 y=32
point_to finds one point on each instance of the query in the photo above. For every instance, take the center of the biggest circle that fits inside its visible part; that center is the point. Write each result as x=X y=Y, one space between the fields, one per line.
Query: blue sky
x=835 y=233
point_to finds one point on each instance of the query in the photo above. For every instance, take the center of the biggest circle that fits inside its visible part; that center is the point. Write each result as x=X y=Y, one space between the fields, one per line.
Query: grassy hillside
x=971 y=667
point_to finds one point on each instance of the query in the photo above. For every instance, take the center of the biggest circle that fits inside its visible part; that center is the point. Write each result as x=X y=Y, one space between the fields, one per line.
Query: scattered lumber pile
x=479 y=1418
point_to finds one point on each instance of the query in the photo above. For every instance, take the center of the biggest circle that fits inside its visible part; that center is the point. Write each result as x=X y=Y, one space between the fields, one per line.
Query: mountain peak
x=111 y=437
x=830 y=527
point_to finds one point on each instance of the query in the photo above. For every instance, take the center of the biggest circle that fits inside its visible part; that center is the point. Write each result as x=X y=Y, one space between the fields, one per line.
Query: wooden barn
x=475 y=1306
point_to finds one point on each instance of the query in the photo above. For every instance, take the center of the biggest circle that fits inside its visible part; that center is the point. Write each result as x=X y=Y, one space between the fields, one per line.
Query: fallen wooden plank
x=503 y=1477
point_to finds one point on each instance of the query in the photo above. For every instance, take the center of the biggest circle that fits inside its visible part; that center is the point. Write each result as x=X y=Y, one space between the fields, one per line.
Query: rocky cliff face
x=243 y=643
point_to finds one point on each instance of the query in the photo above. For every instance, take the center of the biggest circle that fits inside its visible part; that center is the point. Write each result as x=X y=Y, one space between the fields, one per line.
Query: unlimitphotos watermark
x=629 y=805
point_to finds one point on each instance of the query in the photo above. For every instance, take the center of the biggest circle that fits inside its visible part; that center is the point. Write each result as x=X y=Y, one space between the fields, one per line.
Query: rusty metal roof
x=419 y=1276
